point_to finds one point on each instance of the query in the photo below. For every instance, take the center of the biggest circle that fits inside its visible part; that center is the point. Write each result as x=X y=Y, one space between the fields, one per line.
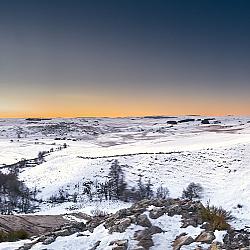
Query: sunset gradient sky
x=124 y=58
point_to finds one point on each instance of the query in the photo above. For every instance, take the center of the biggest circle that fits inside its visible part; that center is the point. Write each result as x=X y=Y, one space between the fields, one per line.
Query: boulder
x=119 y=244
x=174 y=210
x=147 y=231
x=235 y=239
x=145 y=236
x=156 y=213
x=146 y=242
x=120 y=225
x=49 y=240
x=143 y=221
x=64 y=232
x=205 y=237
x=155 y=230
x=182 y=240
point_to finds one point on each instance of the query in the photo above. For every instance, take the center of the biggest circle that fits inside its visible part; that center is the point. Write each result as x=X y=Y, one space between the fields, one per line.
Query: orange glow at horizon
x=122 y=110
x=120 y=103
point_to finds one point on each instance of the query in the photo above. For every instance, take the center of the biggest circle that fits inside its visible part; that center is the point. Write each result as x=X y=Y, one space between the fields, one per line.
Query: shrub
x=13 y=235
x=217 y=217
x=193 y=191
x=98 y=213
x=162 y=192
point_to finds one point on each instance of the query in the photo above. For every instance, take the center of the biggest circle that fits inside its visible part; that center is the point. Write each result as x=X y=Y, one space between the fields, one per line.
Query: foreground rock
x=205 y=237
x=181 y=241
x=32 y=224
x=139 y=228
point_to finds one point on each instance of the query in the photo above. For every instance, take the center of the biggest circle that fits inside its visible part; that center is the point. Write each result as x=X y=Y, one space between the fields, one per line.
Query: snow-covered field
x=216 y=155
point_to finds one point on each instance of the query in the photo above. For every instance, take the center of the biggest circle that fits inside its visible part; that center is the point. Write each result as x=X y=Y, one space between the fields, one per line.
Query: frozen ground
x=217 y=155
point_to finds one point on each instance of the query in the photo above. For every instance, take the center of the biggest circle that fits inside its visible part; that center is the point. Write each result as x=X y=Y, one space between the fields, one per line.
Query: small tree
x=117 y=184
x=193 y=191
x=141 y=189
x=162 y=192
x=41 y=156
x=148 y=189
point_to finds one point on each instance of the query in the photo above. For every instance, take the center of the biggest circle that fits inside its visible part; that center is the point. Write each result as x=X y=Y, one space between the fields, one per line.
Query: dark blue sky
x=90 y=55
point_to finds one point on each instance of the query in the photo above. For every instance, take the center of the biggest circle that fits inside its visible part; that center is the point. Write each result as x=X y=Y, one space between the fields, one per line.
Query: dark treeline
x=14 y=195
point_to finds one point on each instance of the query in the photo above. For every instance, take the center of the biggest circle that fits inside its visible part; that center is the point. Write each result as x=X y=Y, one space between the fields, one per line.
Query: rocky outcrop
x=32 y=224
x=142 y=215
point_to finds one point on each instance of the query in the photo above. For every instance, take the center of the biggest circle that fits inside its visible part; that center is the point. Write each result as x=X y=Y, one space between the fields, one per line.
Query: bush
x=217 y=217
x=162 y=192
x=193 y=191
x=13 y=235
x=98 y=213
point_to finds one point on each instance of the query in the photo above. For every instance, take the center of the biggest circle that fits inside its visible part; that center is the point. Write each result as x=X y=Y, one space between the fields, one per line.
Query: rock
x=64 y=232
x=119 y=244
x=81 y=235
x=95 y=245
x=122 y=213
x=174 y=210
x=119 y=248
x=138 y=235
x=237 y=239
x=133 y=219
x=182 y=240
x=205 y=237
x=147 y=231
x=120 y=225
x=146 y=242
x=92 y=224
x=143 y=221
x=189 y=222
x=79 y=225
x=81 y=215
x=145 y=236
x=155 y=230
x=34 y=225
x=198 y=248
x=205 y=226
x=49 y=240
x=156 y=213
x=26 y=246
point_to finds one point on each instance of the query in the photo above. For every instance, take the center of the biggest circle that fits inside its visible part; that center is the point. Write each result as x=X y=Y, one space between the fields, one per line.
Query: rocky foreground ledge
x=148 y=224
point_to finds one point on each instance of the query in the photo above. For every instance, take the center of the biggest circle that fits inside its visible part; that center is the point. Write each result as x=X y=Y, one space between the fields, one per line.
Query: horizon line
x=130 y=116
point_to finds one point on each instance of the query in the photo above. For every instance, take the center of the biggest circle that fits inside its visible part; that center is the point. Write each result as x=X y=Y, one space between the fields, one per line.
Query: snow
x=219 y=235
x=13 y=245
x=190 y=153
x=85 y=206
x=217 y=156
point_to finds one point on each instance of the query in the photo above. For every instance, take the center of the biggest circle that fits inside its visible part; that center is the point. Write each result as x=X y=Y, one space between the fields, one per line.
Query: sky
x=124 y=58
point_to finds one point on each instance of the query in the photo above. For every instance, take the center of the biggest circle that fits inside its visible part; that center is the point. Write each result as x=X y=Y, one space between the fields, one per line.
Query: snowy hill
x=169 y=151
